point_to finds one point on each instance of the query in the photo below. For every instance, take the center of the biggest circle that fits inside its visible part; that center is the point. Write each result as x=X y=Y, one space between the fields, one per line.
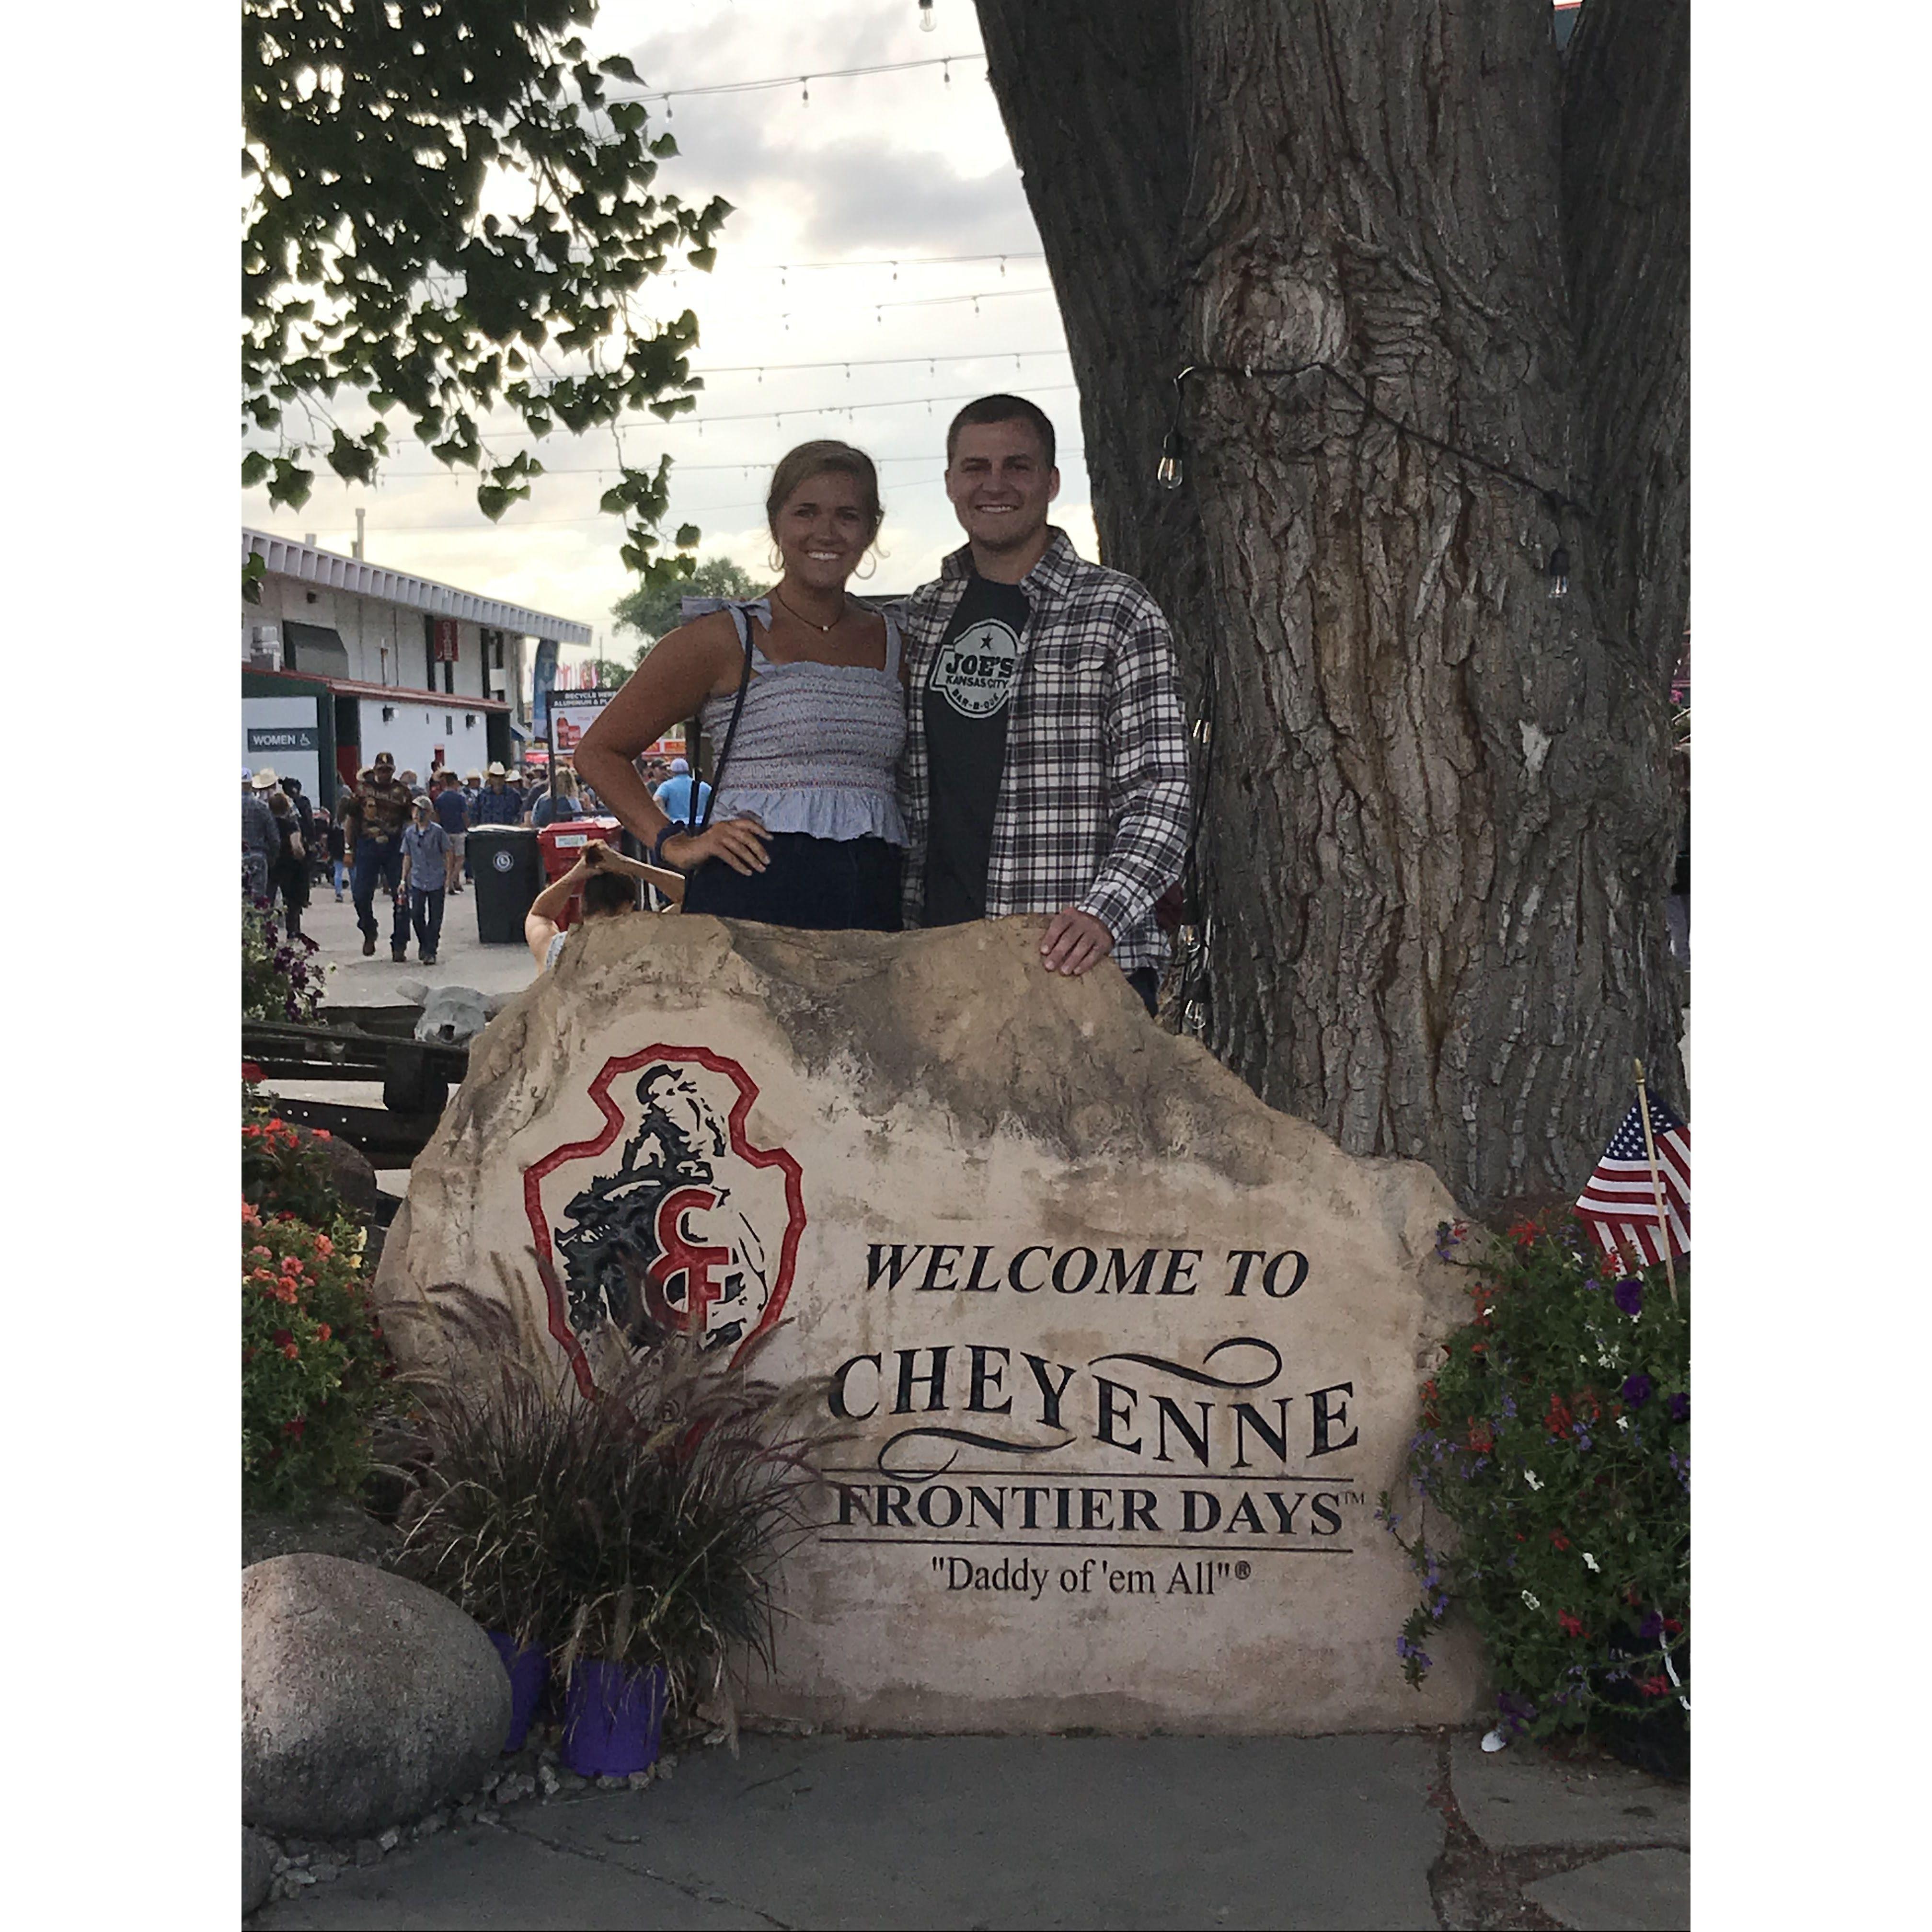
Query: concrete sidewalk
x=1419 y=1831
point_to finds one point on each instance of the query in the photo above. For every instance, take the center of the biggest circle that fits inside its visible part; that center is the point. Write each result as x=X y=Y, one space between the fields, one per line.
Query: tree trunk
x=1437 y=828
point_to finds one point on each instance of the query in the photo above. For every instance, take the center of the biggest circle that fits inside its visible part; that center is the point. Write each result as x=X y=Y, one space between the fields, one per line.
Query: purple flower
x=1583 y=1441
x=1652 y=1628
x=1637 y=1390
x=1628 y=1295
x=1679 y=1406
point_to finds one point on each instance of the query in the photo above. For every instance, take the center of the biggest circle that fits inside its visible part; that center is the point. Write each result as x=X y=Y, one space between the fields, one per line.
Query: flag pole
x=1656 y=1183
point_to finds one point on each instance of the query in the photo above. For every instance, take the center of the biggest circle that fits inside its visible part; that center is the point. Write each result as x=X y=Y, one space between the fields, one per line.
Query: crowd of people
x=1010 y=740
x=393 y=830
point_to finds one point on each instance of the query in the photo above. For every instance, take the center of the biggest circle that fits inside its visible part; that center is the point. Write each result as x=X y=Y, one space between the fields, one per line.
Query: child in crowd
x=338 y=856
x=425 y=866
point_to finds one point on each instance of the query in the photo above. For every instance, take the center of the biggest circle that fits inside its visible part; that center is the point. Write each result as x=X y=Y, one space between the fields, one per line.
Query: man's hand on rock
x=1074 y=942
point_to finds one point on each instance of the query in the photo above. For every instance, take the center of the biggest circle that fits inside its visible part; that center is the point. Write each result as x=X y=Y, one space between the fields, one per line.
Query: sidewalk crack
x=698 y=1894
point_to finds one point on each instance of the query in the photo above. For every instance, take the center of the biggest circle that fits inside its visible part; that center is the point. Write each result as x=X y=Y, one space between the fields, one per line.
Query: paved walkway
x=462 y=959
x=1418 y=1830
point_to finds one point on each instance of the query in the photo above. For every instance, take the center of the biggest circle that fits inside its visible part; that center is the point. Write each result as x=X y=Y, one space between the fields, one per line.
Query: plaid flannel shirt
x=1093 y=811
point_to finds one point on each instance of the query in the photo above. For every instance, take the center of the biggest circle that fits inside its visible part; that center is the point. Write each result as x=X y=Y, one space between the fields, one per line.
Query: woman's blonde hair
x=800 y=466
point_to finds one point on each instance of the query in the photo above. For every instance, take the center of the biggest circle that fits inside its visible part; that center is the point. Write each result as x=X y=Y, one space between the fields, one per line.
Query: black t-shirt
x=968 y=695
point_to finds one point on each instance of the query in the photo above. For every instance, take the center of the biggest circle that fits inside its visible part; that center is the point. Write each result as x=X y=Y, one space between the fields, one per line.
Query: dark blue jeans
x=827 y=885
x=426 y=916
x=380 y=859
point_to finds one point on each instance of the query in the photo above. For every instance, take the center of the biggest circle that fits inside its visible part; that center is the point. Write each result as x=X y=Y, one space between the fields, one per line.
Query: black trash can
x=507 y=869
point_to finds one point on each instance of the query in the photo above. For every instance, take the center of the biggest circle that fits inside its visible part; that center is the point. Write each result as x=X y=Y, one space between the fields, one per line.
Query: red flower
x=296 y=1427
x=1561 y=1541
x=1481 y=1438
x=323 y=1134
x=1523 y=1232
x=324 y=1332
x=251 y=1071
x=1673 y=1625
x=292 y=1351
x=1559 y=1419
x=1654 y=1687
x=282 y=1338
x=1572 y=1626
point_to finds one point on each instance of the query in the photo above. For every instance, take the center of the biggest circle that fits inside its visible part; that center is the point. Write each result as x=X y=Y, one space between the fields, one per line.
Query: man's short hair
x=609 y=892
x=1000 y=410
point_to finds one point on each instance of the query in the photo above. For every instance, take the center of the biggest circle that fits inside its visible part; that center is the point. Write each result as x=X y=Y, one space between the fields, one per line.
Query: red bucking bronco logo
x=687 y=1228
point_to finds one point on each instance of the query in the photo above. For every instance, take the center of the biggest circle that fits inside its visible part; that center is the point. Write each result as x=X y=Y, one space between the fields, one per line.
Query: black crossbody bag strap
x=731 y=730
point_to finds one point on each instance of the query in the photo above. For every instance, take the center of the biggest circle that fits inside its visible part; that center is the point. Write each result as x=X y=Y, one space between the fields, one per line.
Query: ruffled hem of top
x=821 y=812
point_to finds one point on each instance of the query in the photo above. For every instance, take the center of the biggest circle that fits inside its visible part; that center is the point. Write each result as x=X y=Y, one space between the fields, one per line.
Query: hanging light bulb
x=1559 y=573
x=1171 y=471
x=929 y=22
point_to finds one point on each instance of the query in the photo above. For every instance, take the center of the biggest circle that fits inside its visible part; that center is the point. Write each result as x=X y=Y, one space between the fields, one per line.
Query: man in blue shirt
x=497 y=804
x=674 y=795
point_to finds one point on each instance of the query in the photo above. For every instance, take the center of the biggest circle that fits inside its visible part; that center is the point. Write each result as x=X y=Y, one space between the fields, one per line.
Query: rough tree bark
x=1437 y=826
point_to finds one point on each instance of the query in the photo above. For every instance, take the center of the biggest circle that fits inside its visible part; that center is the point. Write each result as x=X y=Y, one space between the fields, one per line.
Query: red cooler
x=562 y=844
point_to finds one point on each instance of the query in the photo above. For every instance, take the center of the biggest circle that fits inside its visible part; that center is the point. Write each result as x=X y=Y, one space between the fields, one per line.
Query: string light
x=667 y=94
x=1170 y=472
x=1559 y=573
x=928 y=20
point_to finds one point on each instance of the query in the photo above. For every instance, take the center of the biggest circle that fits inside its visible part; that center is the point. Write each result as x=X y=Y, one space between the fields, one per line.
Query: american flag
x=1619 y=1203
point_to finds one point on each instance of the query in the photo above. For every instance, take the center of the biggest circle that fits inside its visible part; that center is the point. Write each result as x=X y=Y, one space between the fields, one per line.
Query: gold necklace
x=821 y=629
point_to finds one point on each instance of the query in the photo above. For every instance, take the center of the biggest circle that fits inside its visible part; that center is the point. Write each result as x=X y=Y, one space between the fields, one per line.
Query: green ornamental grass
x=641 y=1525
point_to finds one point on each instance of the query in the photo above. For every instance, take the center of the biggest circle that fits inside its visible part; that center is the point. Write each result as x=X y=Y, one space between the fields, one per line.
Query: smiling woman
x=810 y=717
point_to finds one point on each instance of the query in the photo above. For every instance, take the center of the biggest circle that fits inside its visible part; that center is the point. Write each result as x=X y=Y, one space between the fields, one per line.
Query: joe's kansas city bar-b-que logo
x=668 y=1219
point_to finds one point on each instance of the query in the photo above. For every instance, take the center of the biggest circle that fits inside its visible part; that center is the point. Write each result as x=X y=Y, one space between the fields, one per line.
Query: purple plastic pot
x=613 y=1719
x=528 y=1668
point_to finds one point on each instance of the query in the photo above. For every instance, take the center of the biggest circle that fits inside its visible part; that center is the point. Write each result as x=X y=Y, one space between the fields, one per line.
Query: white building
x=343 y=658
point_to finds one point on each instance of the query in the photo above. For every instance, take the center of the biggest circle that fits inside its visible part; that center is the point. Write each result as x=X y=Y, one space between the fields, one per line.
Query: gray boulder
x=258 y=1869
x=365 y=1698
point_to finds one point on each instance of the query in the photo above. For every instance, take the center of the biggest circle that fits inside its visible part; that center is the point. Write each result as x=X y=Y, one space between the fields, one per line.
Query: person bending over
x=608 y=881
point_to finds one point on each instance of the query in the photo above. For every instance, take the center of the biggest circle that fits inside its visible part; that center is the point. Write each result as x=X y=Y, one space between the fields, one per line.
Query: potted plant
x=632 y=1536
x=1553 y=1454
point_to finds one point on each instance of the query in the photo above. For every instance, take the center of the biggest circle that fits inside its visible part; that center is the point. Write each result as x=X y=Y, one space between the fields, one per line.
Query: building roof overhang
x=390 y=694
x=284 y=557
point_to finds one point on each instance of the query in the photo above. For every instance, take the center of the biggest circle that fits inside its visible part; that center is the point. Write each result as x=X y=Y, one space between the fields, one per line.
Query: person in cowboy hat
x=372 y=823
x=260 y=842
x=496 y=803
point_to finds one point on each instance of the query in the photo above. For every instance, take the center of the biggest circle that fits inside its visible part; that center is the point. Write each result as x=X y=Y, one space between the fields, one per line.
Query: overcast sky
x=903 y=167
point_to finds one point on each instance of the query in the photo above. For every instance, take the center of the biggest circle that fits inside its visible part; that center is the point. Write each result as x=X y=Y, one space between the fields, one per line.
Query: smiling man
x=1046 y=765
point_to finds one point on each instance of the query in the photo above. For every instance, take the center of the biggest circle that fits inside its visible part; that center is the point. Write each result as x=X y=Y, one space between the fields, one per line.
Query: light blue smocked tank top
x=817 y=744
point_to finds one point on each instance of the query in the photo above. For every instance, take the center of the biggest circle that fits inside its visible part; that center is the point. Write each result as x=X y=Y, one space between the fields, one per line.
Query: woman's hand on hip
x=739 y=842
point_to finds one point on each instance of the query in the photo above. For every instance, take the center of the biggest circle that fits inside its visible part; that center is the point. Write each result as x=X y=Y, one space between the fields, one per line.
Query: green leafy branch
x=373 y=138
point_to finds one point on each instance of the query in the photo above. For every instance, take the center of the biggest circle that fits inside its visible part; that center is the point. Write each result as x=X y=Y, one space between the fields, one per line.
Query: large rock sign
x=1125 y=1357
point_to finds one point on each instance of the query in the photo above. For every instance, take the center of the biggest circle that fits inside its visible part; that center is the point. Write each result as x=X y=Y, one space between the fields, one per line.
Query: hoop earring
x=871 y=568
x=776 y=557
